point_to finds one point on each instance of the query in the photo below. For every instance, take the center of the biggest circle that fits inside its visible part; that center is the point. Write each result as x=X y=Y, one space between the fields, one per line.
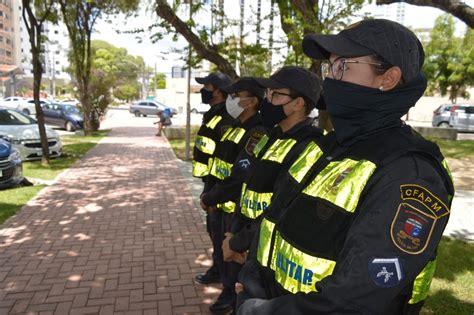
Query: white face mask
x=232 y=106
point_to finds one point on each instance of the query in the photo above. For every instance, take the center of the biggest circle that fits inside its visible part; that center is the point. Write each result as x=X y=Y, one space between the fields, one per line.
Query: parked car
x=70 y=101
x=462 y=117
x=23 y=133
x=150 y=108
x=200 y=109
x=441 y=116
x=11 y=168
x=62 y=115
x=19 y=103
x=42 y=102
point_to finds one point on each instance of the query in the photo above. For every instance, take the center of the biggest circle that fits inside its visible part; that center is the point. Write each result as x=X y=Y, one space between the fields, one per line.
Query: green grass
x=456 y=148
x=13 y=199
x=178 y=145
x=74 y=147
x=452 y=289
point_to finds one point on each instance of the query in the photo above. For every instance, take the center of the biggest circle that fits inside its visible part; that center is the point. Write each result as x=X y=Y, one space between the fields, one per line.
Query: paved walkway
x=118 y=233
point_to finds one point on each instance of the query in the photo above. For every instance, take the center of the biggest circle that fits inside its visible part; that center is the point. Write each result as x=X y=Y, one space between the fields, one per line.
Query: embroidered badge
x=243 y=164
x=253 y=140
x=415 y=219
x=385 y=272
x=341 y=177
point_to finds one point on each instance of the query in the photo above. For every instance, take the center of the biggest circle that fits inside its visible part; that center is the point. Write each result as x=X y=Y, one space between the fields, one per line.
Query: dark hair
x=379 y=70
x=309 y=104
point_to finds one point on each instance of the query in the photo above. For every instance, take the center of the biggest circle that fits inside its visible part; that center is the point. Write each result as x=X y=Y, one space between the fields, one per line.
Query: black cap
x=245 y=84
x=299 y=80
x=218 y=79
x=395 y=43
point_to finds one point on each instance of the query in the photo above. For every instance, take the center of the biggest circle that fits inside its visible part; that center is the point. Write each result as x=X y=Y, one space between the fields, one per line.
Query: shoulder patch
x=426 y=198
x=243 y=164
x=385 y=272
x=253 y=140
x=411 y=229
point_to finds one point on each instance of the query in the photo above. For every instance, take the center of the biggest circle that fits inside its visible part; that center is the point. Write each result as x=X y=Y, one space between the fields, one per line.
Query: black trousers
x=214 y=228
x=230 y=270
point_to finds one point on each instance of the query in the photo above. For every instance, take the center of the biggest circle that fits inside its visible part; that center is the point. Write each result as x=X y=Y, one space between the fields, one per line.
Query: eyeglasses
x=339 y=66
x=269 y=93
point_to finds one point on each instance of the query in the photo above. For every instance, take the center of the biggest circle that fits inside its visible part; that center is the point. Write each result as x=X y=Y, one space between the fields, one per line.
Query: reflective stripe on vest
x=260 y=144
x=278 y=150
x=199 y=169
x=220 y=169
x=213 y=122
x=306 y=159
x=422 y=283
x=205 y=144
x=446 y=167
x=252 y=204
x=228 y=207
x=265 y=241
x=234 y=135
x=295 y=270
x=342 y=182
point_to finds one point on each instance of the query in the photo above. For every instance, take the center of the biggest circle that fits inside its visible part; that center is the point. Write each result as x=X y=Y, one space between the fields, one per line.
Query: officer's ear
x=254 y=102
x=299 y=104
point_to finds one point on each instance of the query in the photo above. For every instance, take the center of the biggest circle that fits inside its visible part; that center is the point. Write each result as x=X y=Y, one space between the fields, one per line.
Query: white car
x=20 y=103
x=23 y=133
x=200 y=108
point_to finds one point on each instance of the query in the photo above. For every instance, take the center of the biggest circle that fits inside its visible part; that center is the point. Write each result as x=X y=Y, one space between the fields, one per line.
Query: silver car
x=441 y=116
x=462 y=117
x=23 y=133
x=145 y=108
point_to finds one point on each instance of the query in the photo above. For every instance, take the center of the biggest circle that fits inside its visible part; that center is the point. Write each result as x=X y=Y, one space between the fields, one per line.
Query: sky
x=158 y=53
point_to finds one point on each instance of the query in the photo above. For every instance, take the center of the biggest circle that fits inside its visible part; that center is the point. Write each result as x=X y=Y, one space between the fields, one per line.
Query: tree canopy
x=448 y=64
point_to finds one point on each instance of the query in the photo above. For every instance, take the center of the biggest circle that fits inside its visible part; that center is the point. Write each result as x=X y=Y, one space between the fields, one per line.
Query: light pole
x=188 y=95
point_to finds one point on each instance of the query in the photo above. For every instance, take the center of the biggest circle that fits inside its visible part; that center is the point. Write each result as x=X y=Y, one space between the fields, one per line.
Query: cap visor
x=322 y=46
x=269 y=83
x=230 y=89
x=204 y=80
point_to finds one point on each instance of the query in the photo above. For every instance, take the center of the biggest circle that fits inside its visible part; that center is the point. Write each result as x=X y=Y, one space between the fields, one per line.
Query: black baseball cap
x=299 y=80
x=396 y=44
x=218 y=79
x=248 y=84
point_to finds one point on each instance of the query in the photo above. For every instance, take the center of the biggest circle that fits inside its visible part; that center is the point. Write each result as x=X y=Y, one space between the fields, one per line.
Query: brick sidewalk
x=118 y=233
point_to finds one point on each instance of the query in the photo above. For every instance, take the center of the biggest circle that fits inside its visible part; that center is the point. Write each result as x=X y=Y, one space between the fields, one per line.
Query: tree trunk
x=270 y=35
x=458 y=9
x=34 y=33
x=259 y=20
x=37 y=75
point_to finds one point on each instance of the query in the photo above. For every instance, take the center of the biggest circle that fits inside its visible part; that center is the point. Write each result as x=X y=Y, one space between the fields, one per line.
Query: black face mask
x=206 y=96
x=356 y=110
x=271 y=114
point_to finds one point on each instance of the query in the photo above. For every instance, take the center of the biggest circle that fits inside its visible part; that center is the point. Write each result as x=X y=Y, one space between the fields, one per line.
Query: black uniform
x=235 y=140
x=215 y=123
x=358 y=235
x=274 y=153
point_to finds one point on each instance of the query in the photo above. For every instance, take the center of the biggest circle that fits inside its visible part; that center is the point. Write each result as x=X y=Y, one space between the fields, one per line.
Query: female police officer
x=360 y=232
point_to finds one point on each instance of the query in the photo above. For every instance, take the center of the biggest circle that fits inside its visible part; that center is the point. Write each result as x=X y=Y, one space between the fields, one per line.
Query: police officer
x=215 y=122
x=360 y=233
x=231 y=160
x=292 y=95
